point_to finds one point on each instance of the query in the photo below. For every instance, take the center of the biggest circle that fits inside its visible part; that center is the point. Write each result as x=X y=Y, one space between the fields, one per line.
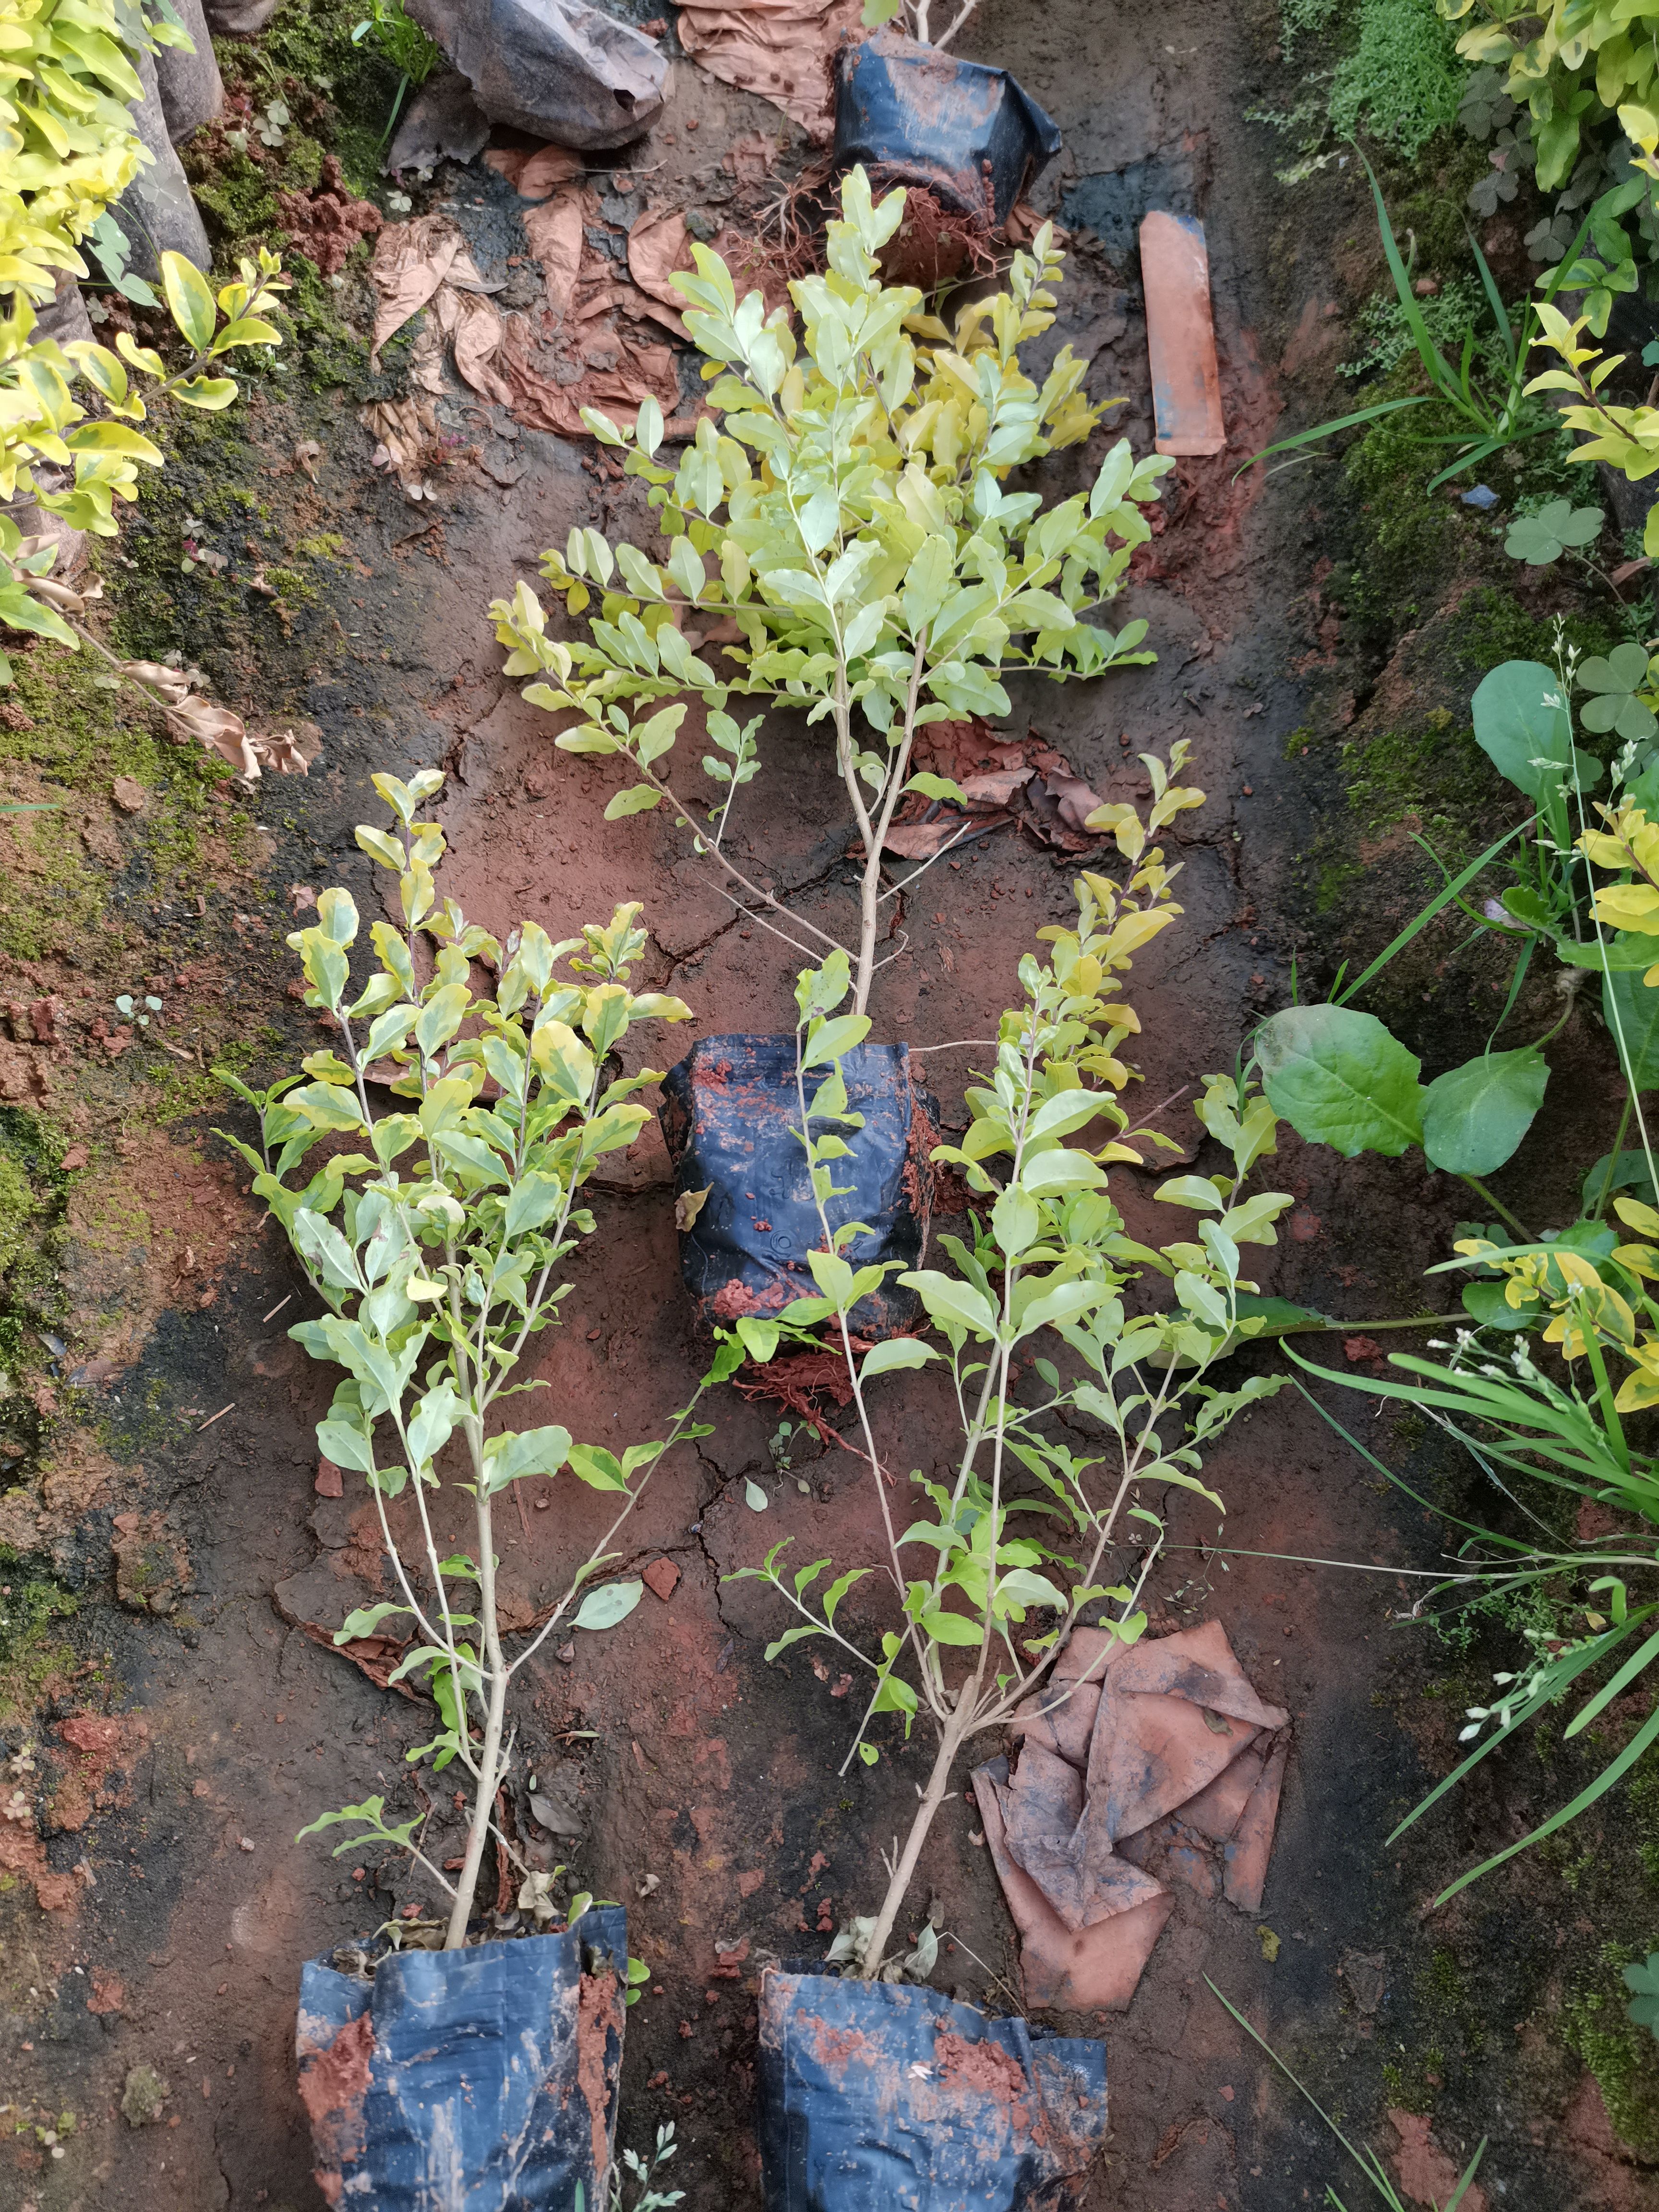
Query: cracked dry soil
x=667 y=1748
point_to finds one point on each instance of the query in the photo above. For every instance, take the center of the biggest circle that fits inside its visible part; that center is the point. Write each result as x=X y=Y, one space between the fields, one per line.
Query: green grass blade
x=1329 y=429
x=1434 y=361
x=1473 y=1527
x=1472 y=459
x=1500 y=313
x=1523 y=961
x=1366 y=2160
x=1570 y=1670
x=1471 y=1402
x=1643 y=1656
x=1429 y=912
x=1604 y=1781
x=1456 y=2198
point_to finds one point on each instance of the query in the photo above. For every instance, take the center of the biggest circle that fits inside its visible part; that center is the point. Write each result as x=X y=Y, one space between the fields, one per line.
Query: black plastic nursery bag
x=729 y=1117
x=911 y=115
x=475 y=2080
x=876 y=2097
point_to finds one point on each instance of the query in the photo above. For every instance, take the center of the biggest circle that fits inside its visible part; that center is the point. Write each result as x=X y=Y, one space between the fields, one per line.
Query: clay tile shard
x=1175 y=268
x=663 y=1577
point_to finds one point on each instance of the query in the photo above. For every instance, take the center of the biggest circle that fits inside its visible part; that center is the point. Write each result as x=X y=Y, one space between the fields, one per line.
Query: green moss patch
x=1623 y=2057
x=31 y=1653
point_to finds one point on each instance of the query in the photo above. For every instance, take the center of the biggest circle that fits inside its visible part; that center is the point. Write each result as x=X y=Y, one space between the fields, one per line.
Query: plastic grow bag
x=729 y=1115
x=557 y=69
x=875 y=2097
x=911 y=115
x=475 y=2080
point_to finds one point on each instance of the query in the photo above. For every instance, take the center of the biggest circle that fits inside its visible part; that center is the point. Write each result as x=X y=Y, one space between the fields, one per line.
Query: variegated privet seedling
x=869 y=564
x=965 y=1645
x=437 y=1279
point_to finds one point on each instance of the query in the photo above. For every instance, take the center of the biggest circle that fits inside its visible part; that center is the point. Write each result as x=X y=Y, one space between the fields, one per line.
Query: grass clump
x=1403 y=81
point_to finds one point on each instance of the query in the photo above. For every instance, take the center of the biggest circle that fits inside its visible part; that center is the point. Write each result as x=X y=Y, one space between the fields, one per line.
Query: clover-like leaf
x=1642 y=1982
x=1484 y=107
x=1616 y=683
x=1496 y=183
x=1540 y=538
x=1547 y=241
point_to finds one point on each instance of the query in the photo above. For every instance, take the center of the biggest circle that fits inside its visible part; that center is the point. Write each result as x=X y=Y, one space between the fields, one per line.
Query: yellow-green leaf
x=189 y=303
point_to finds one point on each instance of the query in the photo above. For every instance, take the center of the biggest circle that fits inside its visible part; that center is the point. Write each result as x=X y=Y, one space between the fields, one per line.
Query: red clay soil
x=704 y=1788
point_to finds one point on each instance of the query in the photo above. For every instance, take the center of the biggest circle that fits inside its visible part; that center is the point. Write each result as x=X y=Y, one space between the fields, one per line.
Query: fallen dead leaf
x=403 y=429
x=307 y=454
x=555 y=233
x=782 y=49
x=926 y=840
x=216 y=728
x=173 y=683
x=688 y=1204
x=658 y=245
x=532 y=175
x=470 y=325
x=411 y=260
x=543 y=401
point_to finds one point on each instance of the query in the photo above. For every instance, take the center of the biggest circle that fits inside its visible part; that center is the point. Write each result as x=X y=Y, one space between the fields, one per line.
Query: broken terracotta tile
x=1142 y=1765
x=663 y=1577
x=1175 y=268
x=1246 y=1851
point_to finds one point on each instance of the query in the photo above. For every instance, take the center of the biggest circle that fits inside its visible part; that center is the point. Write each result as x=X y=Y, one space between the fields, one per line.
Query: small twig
x=219 y=1416
x=275 y=1309
x=749 y=915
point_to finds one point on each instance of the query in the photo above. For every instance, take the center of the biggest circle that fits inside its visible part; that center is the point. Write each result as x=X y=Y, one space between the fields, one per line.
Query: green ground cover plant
x=1587 y=1608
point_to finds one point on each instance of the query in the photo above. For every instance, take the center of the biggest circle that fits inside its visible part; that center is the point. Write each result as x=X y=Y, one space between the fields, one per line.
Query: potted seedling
x=842 y=511
x=1035 y=1532
x=432 y=1233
